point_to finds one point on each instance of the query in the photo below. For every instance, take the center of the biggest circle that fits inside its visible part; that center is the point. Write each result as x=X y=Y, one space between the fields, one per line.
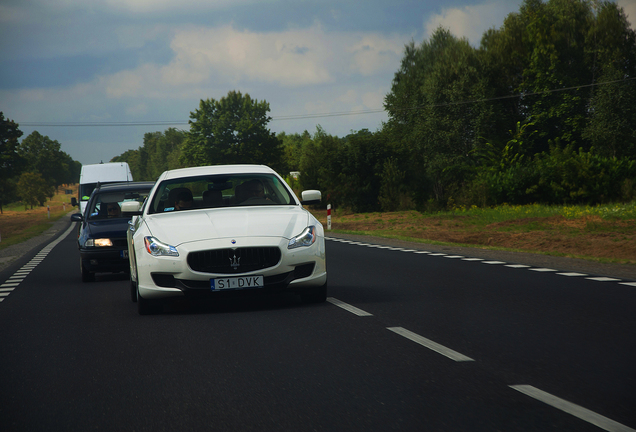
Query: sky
x=128 y=67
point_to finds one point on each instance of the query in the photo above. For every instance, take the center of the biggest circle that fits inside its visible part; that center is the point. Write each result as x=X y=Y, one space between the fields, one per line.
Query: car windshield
x=212 y=191
x=107 y=205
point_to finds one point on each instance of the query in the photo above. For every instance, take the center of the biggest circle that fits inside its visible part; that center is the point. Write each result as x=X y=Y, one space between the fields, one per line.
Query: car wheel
x=86 y=275
x=145 y=306
x=315 y=295
x=133 y=287
x=133 y=290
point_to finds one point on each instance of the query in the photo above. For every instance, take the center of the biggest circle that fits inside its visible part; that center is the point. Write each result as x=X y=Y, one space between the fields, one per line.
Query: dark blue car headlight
x=100 y=242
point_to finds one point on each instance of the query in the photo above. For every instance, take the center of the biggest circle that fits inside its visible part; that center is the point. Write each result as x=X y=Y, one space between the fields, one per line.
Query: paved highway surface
x=410 y=339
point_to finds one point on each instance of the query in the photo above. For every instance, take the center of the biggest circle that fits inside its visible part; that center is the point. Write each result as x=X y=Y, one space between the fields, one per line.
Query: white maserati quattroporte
x=219 y=231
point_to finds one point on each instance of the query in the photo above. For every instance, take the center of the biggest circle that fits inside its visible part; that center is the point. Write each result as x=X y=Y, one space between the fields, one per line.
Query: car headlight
x=101 y=242
x=306 y=238
x=157 y=248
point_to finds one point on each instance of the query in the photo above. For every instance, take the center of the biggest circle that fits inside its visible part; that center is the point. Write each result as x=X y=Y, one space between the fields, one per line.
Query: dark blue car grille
x=233 y=261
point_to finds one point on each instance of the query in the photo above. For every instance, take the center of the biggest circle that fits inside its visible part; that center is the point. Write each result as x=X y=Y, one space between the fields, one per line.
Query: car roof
x=217 y=169
x=125 y=186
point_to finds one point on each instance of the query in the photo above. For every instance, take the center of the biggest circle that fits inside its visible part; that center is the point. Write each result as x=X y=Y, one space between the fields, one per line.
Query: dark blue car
x=102 y=233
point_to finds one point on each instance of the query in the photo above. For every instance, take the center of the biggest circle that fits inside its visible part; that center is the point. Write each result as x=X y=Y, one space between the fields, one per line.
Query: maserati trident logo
x=235 y=262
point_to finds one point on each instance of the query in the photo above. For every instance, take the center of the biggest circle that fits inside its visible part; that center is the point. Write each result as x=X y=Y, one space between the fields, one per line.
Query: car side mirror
x=73 y=201
x=130 y=208
x=76 y=217
x=309 y=197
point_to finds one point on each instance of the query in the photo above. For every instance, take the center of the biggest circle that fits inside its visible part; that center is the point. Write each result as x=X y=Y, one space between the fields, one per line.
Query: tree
x=159 y=152
x=33 y=189
x=11 y=163
x=229 y=131
x=428 y=113
x=45 y=157
x=613 y=114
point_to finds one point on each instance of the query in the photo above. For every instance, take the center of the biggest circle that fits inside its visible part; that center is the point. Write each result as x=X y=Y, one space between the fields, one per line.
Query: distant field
x=18 y=224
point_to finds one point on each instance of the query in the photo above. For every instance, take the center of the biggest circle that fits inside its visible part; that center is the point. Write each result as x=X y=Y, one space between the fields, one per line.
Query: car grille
x=232 y=261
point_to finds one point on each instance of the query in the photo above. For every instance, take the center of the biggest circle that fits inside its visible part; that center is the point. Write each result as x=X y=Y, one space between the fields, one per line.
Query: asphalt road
x=408 y=340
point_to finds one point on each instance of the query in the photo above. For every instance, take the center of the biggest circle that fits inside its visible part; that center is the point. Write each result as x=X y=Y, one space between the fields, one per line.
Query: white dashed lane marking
x=556 y=402
x=17 y=277
x=354 y=310
x=573 y=409
x=434 y=346
x=483 y=261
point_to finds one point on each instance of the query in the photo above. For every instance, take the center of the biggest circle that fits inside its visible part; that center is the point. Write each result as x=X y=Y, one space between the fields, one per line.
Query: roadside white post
x=328 y=216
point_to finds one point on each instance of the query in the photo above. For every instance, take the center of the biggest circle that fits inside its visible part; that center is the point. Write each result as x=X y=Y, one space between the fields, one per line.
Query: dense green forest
x=542 y=111
x=33 y=169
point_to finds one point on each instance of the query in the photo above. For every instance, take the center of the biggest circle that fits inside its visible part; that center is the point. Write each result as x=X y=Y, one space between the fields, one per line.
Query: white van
x=111 y=172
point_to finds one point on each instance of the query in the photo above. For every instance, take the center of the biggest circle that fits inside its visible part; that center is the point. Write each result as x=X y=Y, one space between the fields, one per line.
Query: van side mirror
x=73 y=201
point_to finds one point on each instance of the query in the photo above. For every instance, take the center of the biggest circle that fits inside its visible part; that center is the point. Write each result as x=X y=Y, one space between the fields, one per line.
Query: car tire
x=145 y=306
x=133 y=291
x=315 y=295
x=86 y=275
x=133 y=287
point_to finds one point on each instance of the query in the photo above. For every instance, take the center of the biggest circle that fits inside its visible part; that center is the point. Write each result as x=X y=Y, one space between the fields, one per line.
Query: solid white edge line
x=573 y=409
x=348 y=307
x=434 y=346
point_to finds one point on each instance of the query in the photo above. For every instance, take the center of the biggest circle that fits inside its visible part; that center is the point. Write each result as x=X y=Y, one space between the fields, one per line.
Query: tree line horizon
x=543 y=111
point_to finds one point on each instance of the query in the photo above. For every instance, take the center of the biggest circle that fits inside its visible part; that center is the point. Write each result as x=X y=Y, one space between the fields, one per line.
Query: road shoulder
x=624 y=271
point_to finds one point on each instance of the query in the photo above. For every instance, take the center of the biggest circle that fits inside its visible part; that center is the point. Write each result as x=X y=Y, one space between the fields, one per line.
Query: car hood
x=107 y=228
x=176 y=228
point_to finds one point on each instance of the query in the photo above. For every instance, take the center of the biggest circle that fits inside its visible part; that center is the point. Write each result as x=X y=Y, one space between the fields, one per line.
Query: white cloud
x=630 y=10
x=292 y=58
x=288 y=58
x=471 y=21
x=376 y=52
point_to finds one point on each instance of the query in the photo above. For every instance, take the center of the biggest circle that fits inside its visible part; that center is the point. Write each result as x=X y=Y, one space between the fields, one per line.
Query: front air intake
x=233 y=261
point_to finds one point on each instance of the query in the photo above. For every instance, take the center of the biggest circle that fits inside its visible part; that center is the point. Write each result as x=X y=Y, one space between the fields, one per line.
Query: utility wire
x=319 y=115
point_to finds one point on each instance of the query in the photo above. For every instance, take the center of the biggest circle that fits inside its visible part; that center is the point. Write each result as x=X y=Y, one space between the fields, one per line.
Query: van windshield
x=86 y=190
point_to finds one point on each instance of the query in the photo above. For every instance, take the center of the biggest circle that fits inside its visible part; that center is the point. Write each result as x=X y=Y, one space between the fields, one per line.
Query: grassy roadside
x=601 y=233
x=18 y=224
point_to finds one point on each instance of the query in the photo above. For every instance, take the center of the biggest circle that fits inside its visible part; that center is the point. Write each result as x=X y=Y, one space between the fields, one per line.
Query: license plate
x=124 y=253
x=241 y=282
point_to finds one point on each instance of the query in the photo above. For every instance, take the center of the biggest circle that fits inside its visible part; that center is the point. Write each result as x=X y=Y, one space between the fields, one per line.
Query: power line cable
x=320 y=115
